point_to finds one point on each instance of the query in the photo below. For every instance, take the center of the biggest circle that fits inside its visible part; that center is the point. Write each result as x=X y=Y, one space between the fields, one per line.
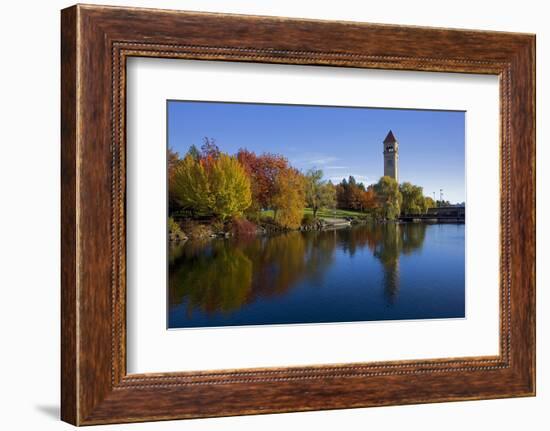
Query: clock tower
x=391 y=157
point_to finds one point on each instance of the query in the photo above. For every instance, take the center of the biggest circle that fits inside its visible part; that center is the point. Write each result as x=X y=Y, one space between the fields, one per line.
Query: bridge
x=446 y=214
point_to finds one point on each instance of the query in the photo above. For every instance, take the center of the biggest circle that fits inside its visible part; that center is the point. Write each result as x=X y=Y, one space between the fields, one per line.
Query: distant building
x=391 y=157
x=457 y=211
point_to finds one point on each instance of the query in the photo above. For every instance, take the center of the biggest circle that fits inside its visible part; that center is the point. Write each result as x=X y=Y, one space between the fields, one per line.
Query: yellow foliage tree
x=290 y=198
x=190 y=186
x=230 y=187
x=220 y=188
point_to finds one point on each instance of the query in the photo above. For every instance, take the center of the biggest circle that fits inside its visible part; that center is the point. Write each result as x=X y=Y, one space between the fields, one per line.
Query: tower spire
x=391 y=156
x=390 y=139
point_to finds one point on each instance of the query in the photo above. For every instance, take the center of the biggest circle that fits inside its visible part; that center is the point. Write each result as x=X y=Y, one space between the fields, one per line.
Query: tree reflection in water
x=220 y=276
x=393 y=240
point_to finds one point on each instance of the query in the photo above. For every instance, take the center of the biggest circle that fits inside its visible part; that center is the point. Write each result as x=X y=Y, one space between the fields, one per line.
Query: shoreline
x=265 y=229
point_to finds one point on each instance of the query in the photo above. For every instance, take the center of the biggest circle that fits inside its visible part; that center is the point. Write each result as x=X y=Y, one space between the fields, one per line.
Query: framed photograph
x=264 y=215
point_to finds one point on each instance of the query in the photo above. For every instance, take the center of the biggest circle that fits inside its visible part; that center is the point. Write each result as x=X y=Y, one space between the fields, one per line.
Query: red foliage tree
x=263 y=171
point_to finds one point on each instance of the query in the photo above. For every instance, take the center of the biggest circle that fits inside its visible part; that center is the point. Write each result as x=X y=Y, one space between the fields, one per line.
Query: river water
x=361 y=273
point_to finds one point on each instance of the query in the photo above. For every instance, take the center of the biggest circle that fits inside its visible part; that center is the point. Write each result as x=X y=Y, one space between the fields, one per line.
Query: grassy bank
x=324 y=213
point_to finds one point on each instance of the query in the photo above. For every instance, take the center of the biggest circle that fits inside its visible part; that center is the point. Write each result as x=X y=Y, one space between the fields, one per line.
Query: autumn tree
x=371 y=201
x=249 y=162
x=359 y=198
x=263 y=171
x=356 y=198
x=351 y=194
x=389 y=197
x=229 y=186
x=191 y=188
x=173 y=158
x=206 y=187
x=319 y=193
x=289 y=198
x=413 y=199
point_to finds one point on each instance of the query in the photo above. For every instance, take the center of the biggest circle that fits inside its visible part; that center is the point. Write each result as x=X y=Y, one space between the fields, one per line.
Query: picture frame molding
x=96 y=41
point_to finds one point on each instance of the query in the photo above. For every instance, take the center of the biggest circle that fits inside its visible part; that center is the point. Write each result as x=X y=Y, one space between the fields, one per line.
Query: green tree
x=329 y=195
x=413 y=199
x=289 y=199
x=341 y=194
x=194 y=152
x=319 y=193
x=230 y=187
x=389 y=197
x=428 y=203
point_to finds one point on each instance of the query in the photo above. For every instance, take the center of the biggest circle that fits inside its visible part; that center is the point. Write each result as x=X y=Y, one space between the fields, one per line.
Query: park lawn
x=334 y=213
x=323 y=213
x=268 y=213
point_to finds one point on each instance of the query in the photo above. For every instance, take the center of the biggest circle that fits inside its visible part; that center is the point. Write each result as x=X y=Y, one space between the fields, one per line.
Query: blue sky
x=339 y=140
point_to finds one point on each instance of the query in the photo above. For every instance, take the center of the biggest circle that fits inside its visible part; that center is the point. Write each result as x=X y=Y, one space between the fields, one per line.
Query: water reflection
x=393 y=240
x=221 y=276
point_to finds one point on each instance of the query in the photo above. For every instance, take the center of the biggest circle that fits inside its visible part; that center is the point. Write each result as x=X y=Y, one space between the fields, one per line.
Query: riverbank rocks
x=177 y=236
x=200 y=230
x=197 y=230
x=317 y=224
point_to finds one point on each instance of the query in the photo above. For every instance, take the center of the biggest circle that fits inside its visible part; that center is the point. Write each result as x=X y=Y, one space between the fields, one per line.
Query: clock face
x=389 y=149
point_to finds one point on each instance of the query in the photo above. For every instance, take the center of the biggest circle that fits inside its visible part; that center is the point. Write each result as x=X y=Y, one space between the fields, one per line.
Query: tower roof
x=390 y=139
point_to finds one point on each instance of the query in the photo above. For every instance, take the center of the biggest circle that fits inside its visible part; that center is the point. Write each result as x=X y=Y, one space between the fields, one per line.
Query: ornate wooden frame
x=95 y=42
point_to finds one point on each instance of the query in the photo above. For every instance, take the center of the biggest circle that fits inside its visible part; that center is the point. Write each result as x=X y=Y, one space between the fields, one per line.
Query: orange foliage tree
x=289 y=199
